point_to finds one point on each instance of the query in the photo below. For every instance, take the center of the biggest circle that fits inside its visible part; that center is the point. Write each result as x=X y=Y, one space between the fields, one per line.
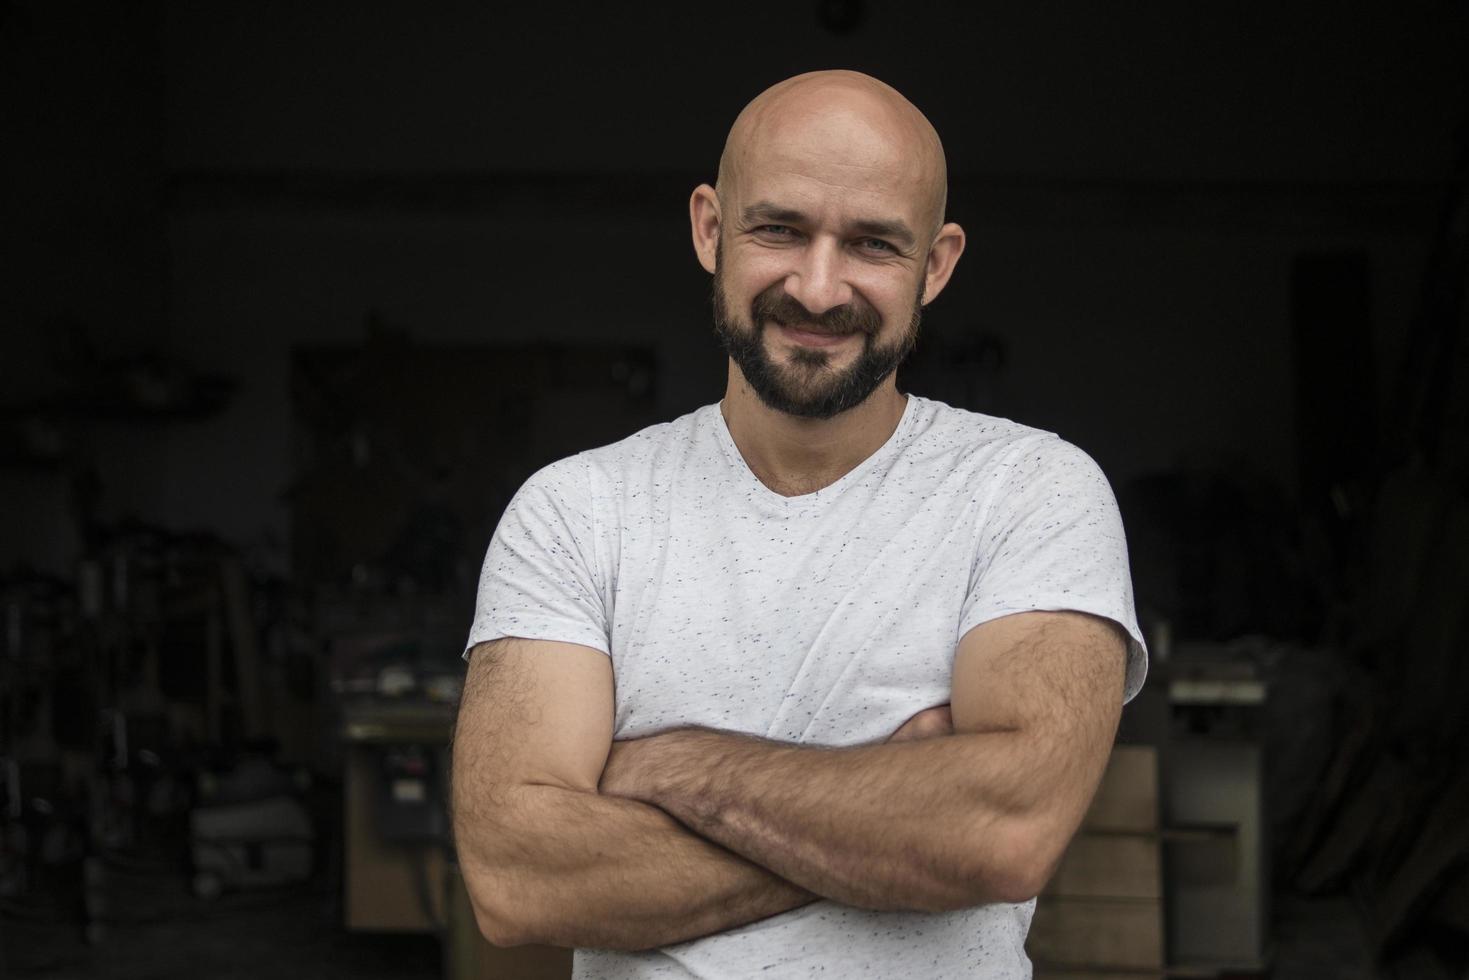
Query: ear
x=948 y=245
x=704 y=219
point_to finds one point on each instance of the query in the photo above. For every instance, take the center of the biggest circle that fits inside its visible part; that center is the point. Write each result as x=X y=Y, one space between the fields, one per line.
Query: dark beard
x=808 y=388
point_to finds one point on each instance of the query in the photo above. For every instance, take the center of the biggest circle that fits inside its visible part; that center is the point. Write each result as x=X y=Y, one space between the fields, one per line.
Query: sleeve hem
x=1137 y=649
x=557 y=631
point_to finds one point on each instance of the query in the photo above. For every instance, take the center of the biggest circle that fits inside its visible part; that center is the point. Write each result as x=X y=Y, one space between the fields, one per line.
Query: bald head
x=845 y=116
x=825 y=237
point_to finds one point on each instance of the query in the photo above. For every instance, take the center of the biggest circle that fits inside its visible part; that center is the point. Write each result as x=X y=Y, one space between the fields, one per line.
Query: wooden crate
x=1084 y=974
x=1127 y=799
x=1097 y=933
x=1110 y=866
x=1101 y=915
x=1065 y=973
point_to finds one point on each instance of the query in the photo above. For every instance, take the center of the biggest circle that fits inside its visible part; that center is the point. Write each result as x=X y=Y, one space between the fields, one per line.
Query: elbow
x=501 y=919
x=984 y=880
x=1016 y=885
x=500 y=931
x=990 y=885
x=1035 y=851
x=1016 y=866
x=503 y=894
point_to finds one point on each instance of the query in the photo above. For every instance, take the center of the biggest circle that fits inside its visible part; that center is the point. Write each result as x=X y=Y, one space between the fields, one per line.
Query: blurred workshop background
x=296 y=294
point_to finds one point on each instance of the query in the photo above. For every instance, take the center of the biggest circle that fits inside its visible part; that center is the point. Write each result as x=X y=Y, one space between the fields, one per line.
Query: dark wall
x=1150 y=90
x=222 y=182
x=82 y=172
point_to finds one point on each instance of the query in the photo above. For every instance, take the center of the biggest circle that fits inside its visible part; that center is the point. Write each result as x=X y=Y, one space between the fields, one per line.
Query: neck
x=794 y=456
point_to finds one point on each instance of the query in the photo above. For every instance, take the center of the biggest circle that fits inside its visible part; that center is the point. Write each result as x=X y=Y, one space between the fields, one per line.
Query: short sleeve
x=1051 y=539
x=540 y=575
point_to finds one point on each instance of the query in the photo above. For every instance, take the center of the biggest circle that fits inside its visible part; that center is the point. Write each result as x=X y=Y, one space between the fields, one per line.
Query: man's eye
x=877 y=245
x=780 y=230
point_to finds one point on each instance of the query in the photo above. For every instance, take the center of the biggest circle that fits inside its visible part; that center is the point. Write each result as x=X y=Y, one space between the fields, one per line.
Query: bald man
x=818 y=680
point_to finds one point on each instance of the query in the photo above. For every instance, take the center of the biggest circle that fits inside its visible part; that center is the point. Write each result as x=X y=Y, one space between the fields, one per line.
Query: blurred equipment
x=397 y=826
x=407 y=454
x=244 y=845
x=401 y=875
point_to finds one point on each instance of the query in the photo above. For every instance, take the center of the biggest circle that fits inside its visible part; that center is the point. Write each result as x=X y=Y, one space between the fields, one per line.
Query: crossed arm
x=568 y=838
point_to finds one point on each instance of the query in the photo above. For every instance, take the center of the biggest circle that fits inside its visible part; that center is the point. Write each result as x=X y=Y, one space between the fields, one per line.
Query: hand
x=617 y=774
x=928 y=723
x=636 y=765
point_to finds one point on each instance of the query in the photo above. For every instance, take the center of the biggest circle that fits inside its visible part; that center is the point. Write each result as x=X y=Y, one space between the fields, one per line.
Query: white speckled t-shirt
x=825 y=619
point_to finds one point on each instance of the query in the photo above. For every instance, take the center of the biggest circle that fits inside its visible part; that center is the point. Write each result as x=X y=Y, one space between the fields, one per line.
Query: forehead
x=834 y=163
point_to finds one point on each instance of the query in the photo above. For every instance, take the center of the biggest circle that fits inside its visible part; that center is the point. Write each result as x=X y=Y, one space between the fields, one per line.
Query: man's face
x=825 y=237
x=818 y=376
x=825 y=225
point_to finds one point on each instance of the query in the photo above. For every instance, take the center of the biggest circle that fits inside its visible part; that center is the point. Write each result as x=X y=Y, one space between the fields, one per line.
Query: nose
x=818 y=283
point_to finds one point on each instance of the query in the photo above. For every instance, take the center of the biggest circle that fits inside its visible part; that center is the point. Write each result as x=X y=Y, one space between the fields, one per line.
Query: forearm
x=926 y=825
x=572 y=868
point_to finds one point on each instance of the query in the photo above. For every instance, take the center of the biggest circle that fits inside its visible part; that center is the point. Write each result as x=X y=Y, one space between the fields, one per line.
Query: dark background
x=1219 y=246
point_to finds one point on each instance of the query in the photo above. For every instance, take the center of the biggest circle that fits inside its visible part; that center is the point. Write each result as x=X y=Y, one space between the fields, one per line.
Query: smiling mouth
x=809 y=334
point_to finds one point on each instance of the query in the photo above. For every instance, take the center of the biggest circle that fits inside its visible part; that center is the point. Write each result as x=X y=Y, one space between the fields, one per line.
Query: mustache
x=855 y=317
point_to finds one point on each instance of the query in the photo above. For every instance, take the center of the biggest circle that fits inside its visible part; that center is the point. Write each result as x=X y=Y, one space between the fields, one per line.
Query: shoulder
x=649 y=457
x=988 y=444
x=1001 y=464
x=646 y=446
x=938 y=425
x=596 y=487
x=613 y=463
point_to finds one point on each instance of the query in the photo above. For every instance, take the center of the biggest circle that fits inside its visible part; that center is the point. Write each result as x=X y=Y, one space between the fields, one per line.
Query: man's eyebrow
x=764 y=211
x=774 y=213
